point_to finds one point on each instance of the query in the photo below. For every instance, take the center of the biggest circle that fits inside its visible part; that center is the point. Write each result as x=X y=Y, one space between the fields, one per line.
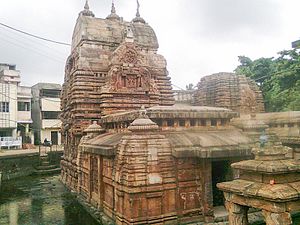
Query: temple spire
x=138 y=18
x=86 y=6
x=138 y=9
x=113 y=13
x=113 y=9
x=86 y=11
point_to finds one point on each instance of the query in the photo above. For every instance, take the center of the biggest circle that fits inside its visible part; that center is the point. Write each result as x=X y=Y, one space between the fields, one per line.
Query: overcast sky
x=197 y=37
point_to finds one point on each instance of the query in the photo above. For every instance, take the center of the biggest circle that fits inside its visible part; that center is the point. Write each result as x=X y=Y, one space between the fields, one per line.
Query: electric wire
x=34 y=43
x=35 y=36
x=27 y=47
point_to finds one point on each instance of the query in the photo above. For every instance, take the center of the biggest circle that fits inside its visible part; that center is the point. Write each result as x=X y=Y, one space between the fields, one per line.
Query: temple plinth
x=270 y=182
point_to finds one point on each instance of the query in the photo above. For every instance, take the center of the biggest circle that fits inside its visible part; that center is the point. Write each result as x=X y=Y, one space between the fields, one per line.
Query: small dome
x=143 y=123
x=94 y=128
x=138 y=19
x=86 y=11
x=113 y=15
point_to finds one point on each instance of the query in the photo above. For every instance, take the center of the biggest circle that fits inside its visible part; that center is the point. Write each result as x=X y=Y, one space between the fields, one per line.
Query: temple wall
x=187 y=199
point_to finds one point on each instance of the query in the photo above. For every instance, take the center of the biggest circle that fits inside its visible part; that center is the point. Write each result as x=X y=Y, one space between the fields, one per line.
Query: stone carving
x=130 y=79
x=129 y=56
x=129 y=33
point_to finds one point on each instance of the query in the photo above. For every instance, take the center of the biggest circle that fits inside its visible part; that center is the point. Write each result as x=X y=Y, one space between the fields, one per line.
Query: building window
x=4 y=106
x=49 y=93
x=23 y=106
x=50 y=115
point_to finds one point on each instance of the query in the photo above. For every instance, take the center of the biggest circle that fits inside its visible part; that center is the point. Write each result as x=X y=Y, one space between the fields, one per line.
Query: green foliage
x=279 y=79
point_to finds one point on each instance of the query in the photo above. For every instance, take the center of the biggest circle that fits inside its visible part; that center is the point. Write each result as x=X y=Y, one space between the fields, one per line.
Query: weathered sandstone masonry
x=271 y=182
x=137 y=166
x=229 y=90
x=113 y=66
x=156 y=172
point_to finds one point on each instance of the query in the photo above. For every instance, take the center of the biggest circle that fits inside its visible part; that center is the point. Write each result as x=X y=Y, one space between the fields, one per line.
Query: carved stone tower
x=113 y=67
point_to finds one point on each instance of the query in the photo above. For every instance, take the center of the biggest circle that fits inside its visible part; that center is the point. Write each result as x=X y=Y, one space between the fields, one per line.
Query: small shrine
x=270 y=182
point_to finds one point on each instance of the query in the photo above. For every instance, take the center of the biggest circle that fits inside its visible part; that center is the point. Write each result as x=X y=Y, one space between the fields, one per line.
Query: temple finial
x=113 y=15
x=86 y=6
x=138 y=9
x=86 y=11
x=138 y=18
x=113 y=9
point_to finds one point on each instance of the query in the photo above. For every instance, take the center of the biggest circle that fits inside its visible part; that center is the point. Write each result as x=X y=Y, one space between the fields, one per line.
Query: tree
x=279 y=79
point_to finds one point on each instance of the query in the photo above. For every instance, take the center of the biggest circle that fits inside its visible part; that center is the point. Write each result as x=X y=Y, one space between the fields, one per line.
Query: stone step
x=45 y=163
x=46 y=172
x=45 y=167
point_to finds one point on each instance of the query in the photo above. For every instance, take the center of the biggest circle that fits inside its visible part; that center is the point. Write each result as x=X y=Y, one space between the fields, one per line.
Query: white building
x=24 y=113
x=15 y=105
x=45 y=112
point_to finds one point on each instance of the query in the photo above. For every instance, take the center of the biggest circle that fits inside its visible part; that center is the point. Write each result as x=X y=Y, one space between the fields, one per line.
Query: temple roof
x=112 y=31
x=175 y=111
x=203 y=144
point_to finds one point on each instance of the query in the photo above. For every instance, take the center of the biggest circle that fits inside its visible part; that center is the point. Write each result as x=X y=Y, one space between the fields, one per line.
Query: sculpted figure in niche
x=145 y=78
x=115 y=79
x=129 y=33
x=131 y=81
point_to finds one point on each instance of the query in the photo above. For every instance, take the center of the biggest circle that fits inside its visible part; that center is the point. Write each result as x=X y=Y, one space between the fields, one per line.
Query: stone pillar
x=187 y=123
x=164 y=123
x=176 y=123
x=272 y=218
x=208 y=122
x=207 y=191
x=238 y=214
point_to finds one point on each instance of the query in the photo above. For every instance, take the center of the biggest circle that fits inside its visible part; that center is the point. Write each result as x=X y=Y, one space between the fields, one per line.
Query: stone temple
x=131 y=155
x=236 y=92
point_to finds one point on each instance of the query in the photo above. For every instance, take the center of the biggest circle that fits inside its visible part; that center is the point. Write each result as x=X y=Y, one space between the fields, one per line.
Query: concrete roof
x=47 y=86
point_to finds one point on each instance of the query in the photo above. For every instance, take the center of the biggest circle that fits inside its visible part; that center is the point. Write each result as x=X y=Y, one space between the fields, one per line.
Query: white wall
x=8 y=93
x=46 y=133
x=23 y=116
x=51 y=124
x=50 y=104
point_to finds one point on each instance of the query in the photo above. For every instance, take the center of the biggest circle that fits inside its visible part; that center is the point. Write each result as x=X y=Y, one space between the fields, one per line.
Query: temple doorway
x=221 y=171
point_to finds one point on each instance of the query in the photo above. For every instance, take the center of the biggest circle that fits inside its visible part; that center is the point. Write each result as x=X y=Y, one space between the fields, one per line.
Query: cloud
x=228 y=19
x=197 y=37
